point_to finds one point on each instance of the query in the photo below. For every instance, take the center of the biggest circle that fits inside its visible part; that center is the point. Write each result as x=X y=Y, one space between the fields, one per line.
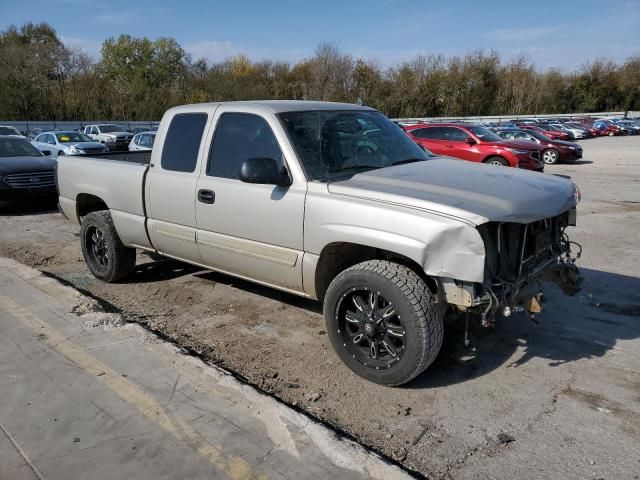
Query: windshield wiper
x=354 y=167
x=408 y=160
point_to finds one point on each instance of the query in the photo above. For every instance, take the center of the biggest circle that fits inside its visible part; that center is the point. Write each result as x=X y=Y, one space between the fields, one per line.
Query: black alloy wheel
x=370 y=327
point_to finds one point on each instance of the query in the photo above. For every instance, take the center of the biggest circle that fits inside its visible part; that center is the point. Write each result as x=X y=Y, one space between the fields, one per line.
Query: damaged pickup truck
x=335 y=203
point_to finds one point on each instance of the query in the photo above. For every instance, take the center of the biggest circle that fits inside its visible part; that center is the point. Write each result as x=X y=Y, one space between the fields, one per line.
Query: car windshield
x=8 y=131
x=17 y=147
x=110 y=128
x=67 y=137
x=484 y=134
x=334 y=144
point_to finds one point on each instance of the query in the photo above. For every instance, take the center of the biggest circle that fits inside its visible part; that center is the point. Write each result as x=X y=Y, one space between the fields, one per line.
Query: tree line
x=138 y=79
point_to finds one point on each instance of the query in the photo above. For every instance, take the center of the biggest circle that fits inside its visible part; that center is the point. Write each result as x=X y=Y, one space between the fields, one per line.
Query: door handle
x=206 y=196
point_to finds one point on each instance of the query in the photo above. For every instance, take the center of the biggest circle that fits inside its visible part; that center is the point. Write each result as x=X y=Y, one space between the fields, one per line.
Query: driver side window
x=238 y=137
x=456 y=134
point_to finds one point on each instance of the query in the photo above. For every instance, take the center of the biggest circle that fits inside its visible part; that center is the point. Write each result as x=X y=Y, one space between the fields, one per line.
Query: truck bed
x=117 y=180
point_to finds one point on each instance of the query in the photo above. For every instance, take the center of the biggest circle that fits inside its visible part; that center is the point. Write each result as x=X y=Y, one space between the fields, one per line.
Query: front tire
x=104 y=253
x=550 y=156
x=383 y=322
x=497 y=162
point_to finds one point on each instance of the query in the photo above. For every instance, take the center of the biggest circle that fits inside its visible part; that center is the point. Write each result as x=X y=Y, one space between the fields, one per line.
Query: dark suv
x=476 y=144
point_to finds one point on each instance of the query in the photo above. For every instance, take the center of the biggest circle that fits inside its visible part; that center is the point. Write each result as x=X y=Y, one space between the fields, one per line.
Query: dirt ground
x=558 y=399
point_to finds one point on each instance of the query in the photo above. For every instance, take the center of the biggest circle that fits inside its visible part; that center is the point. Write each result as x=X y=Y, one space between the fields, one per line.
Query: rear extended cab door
x=250 y=230
x=170 y=187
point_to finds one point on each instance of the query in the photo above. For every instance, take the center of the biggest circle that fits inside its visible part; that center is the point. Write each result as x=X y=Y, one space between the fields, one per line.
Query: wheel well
x=87 y=203
x=489 y=157
x=337 y=257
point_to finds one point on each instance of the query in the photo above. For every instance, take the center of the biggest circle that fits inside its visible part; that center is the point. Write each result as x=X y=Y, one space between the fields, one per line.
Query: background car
x=607 y=127
x=476 y=144
x=113 y=136
x=554 y=150
x=629 y=125
x=68 y=143
x=25 y=171
x=547 y=131
x=9 y=130
x=142 y=141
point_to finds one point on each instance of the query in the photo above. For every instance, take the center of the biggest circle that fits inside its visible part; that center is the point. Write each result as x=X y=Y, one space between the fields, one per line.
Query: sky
x=561 y=33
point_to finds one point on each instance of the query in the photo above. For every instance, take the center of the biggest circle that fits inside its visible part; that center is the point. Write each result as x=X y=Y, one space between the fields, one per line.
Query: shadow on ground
x=587 y=325
x=570 y=328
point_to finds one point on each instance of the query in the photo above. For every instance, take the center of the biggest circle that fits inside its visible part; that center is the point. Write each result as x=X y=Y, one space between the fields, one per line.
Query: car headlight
x=571 y=148
x=74 y=149
x=110 y=140
x=576 y=194
x=518 y=152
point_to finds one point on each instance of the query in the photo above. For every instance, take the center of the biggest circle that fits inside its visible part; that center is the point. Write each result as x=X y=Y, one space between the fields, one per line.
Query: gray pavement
x=83 y=395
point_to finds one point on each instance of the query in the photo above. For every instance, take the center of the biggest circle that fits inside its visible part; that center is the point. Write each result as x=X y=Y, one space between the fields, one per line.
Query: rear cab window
x=182 y=142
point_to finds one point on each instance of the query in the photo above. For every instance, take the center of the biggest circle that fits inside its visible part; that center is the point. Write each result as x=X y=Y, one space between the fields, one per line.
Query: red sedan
x=476 y=144
x=555 y=151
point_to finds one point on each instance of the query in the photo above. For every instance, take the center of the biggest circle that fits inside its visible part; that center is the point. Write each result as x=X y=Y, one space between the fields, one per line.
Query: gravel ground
x=558 y=399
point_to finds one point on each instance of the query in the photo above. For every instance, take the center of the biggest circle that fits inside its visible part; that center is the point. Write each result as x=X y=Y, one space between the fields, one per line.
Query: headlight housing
x=518 y=152
x=576 y=194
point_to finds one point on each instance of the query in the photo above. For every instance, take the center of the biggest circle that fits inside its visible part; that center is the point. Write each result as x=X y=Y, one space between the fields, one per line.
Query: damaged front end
x=517 y=258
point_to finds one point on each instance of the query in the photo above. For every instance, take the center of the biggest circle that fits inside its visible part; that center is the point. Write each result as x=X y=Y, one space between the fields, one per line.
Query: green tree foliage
x=139 y=78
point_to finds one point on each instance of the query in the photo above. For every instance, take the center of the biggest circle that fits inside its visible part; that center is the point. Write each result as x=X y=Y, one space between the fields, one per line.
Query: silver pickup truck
x=332 y=202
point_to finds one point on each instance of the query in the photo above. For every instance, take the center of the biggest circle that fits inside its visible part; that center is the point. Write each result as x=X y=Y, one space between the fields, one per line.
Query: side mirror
x=46 y=152
x=263 y=171
x=470 y=141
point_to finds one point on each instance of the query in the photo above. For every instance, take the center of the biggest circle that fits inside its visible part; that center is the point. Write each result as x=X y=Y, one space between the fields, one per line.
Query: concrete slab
x=85 y=396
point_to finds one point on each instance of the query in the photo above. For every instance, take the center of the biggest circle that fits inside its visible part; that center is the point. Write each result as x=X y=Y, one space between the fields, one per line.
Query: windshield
x=336 y=144
x=110 y=128
x=484 y=134
x=17 y=147
x=66 y=137
x=8 y=131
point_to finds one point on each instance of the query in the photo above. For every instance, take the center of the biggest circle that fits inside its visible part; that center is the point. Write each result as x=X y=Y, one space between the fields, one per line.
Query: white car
x=67 y=143
x=142 y=142
x=9 y=130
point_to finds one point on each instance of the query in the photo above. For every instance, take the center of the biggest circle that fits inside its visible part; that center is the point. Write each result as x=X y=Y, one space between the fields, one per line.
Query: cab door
x=171 y=185
x=250 y=230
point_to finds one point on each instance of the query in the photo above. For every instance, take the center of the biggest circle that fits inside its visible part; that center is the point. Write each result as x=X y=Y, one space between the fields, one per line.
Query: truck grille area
x=30 y=180
x=516 y=253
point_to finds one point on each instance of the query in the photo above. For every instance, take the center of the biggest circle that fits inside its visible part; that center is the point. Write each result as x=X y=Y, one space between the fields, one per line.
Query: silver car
x=142 y=142
x=67 y=143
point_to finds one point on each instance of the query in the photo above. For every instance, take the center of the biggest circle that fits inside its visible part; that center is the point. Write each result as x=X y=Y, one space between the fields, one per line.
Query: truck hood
x=472 y=192
x=117 y=134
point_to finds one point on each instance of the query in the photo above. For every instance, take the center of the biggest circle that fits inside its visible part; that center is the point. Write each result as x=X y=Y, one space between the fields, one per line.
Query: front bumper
x=517 y=258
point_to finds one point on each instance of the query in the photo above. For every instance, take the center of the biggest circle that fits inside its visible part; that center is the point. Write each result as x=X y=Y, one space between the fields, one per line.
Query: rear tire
x=550 y=156
x=400 y=331
x=104 y=253
x=497 y=161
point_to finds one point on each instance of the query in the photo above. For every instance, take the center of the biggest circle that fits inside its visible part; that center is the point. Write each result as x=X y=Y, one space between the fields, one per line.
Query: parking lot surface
x=554 y=399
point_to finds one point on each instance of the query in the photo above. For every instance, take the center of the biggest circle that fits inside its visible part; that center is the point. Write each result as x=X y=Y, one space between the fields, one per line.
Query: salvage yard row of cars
x=528 y=144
